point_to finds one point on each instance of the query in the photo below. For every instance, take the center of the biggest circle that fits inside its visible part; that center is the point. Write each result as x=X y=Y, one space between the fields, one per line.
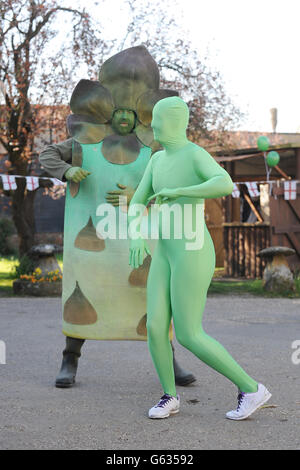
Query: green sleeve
x=142 y=193
x=144 y=189
x=216 y=180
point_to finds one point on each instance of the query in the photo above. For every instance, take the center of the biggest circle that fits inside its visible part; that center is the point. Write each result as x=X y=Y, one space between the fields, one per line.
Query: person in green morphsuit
x=183 y=174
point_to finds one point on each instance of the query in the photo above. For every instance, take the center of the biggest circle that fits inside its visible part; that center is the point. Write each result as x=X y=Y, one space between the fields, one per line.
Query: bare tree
x=181 y=68
x=29 y=75
x=37 y=78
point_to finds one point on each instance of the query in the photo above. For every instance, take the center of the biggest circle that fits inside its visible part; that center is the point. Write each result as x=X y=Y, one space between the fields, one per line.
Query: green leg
x=188 y=300
x=158 y=321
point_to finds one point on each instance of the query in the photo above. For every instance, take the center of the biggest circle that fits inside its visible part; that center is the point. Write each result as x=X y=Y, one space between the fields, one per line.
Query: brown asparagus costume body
x=102 y=297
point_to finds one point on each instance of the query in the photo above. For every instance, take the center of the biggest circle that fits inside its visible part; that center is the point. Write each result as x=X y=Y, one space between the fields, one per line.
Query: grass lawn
x=7 y=266
x=254 y=287
x=218 y=286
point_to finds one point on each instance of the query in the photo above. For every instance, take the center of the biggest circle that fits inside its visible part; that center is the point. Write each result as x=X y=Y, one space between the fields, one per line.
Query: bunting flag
x=56 y=182
x=252 y=188
x=236 y=191
x=290 y=190
x=32 y=183
x=9 y=182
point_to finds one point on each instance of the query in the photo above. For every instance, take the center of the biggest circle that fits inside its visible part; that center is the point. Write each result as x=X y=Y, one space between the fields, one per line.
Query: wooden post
x=257 y=214
x=297 y=153
x=228 y=203
x=282 y=173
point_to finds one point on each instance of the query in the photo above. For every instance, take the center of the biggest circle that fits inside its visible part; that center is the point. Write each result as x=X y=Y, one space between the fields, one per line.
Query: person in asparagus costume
x=104 y=160
x=180 y=177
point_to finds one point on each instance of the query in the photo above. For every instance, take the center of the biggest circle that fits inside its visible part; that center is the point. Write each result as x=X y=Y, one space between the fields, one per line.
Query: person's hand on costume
x=138 y=250
x=165 y=195
x=117 y=197
x=76 y=174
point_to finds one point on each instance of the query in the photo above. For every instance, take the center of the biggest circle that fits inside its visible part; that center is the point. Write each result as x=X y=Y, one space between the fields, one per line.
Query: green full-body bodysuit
x=180 y=273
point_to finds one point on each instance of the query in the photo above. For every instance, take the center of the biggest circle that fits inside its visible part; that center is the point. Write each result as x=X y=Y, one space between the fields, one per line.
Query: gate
x=242 y=242
x=285 y=222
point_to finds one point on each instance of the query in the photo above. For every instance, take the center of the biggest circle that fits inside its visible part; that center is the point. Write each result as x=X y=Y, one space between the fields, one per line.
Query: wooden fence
x=242 y=242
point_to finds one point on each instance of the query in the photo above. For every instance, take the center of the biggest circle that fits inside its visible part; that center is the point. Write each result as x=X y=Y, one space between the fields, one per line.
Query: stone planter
x=37 y=289
x=277 y=277
x=43 y=257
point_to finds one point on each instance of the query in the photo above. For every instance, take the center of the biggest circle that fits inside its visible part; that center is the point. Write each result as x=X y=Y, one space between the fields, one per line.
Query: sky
x=254 y=44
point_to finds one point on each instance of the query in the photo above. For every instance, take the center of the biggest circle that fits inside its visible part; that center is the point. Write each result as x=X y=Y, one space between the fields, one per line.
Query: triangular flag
x=56 y=182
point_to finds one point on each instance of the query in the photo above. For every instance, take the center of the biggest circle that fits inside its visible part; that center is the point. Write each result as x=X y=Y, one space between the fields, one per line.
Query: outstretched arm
x=216 y=182
x=56 y=159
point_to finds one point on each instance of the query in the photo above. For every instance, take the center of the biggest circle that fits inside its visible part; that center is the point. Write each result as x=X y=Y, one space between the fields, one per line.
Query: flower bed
x=39 y=284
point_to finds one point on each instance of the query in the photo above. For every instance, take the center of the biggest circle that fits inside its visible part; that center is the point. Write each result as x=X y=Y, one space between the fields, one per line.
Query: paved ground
x=117 y=383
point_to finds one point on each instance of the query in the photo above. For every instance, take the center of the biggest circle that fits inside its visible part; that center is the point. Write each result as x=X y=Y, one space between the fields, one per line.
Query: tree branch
x=32 y=33
x=5 y=145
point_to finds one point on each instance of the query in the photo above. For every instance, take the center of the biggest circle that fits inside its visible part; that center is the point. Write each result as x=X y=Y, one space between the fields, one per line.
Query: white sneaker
x=166 y=406
x=249 y=402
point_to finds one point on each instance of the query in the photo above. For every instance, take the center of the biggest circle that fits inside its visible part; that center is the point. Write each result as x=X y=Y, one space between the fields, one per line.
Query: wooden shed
x=242 y=226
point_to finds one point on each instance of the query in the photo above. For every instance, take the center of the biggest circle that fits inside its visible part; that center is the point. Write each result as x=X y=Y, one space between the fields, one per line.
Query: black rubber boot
x=182 y=377
x=67 y=374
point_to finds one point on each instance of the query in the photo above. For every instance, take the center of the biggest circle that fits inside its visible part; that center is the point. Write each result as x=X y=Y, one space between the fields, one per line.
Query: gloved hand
x=138 y=250
x=76 y=174
x=165 y=195
x=113 y=197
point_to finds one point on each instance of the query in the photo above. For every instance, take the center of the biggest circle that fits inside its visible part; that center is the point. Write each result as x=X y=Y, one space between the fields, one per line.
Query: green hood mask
x=170 y=121
x=128 y=80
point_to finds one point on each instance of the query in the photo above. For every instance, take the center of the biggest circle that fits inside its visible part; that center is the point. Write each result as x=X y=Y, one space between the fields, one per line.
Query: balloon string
x=268 y=170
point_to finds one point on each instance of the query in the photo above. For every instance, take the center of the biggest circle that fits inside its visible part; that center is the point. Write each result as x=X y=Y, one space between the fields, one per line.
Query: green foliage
x=252 y=287
x=25 y=266
x=296 y=273
x=6 y=229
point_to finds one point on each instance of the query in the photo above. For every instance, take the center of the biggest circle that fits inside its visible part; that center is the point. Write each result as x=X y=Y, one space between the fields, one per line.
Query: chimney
x=273 y=112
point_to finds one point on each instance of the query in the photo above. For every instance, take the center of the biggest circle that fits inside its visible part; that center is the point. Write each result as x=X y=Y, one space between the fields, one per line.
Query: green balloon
x=273 y=158
x=263 y=143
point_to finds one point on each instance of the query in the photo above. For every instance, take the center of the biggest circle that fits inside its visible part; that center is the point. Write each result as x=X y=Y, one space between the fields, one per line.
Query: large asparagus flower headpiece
x=128 y=80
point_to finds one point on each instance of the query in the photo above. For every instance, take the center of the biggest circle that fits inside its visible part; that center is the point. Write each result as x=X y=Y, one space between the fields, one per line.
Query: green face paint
x=123 y=121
